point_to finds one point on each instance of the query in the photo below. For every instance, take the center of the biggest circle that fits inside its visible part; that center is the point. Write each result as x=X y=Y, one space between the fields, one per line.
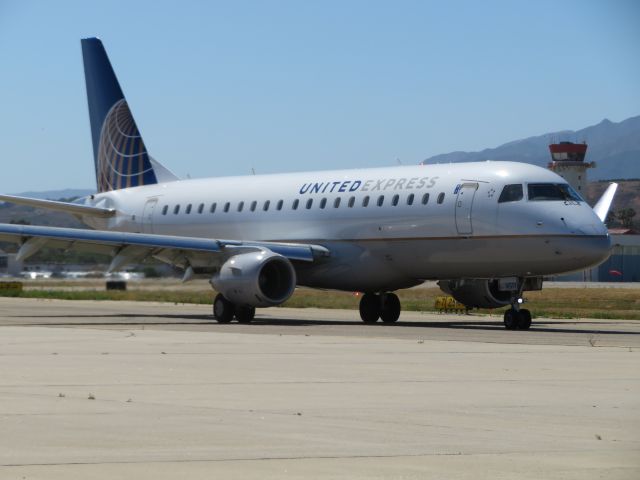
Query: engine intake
x=256 y=279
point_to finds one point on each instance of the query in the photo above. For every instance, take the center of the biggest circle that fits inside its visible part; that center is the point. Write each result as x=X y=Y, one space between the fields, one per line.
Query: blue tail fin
x=120 y=156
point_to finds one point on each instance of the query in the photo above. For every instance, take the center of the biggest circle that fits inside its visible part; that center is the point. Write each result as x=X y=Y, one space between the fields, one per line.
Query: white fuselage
x=380 y=232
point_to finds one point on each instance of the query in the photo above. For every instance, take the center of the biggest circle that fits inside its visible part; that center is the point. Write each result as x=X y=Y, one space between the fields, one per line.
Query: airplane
x=486 y=231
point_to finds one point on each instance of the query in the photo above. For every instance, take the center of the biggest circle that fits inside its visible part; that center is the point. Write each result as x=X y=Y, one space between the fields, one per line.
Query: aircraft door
x=464 y=207
x=147 y=215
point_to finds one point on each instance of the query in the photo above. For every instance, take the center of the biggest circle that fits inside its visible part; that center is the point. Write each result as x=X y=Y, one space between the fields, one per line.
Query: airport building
x=9 y=266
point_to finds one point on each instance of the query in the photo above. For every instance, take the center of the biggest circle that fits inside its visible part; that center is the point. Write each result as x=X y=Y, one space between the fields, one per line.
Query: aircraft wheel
x=223 y=309
x=390 y=311
x=245 y=314
x=370 y=308
x=511 y=318
x=524 y=322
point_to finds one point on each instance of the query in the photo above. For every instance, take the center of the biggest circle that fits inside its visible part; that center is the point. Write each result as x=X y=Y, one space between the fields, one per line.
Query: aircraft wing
x=73 y=208
x=134 y=247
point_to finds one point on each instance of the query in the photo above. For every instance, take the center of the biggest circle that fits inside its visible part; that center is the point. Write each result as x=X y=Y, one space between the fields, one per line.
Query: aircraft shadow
x=175 y=320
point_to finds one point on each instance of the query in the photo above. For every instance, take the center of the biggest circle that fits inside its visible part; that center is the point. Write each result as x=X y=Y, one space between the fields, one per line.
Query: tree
x=626 y=217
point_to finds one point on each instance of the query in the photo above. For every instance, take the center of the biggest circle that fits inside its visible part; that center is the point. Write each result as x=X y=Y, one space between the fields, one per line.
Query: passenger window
x=440 y=198
x=336 y=202
x=265 y=207
x=323 y=203
x=295 y=204
x=213 y=208
x=425 y=198
x=226 y=207
x=165 y=209
x=176 y=209
x=410 y=199
x=279 y=206
x=309 y=203
x=365 y=201
x=511 y=193
x=188 y=210
x=201 y=208
x=240 y=206
x=352 y=202
x=254 y=204
x=395 y=199
x=381 y=200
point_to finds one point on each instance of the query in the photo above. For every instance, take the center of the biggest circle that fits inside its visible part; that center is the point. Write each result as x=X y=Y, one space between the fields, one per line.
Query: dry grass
x=550 y=302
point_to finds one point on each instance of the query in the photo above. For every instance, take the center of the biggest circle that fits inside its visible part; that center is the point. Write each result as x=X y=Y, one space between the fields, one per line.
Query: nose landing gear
x=517 y=318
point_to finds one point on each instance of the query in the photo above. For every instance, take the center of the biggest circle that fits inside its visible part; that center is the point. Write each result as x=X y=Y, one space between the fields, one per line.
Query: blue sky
x=219 y=88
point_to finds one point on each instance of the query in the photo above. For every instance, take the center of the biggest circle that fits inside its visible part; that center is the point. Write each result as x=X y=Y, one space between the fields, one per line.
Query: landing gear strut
x=517 y=318
x=384 y=306
x=224 y=311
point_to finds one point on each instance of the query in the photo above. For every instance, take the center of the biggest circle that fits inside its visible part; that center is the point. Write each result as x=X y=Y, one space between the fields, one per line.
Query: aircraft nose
x=591 y=250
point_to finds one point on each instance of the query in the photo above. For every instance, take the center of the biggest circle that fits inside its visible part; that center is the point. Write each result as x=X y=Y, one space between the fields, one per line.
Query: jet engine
x=476 y=293
x=256 y=279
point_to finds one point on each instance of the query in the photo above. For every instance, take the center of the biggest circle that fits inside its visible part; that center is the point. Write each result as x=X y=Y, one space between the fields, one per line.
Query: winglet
x=604 y=204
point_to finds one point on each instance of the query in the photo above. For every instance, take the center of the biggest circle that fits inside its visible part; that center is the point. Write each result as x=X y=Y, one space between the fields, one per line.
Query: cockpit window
x=511 y=193
x=552 y=191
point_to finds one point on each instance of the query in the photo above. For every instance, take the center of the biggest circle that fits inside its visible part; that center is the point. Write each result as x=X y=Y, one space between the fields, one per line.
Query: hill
x=615 y=147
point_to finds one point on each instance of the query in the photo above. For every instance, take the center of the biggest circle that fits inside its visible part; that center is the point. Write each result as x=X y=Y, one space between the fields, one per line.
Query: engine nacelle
x=256 y=279
x=476 y=293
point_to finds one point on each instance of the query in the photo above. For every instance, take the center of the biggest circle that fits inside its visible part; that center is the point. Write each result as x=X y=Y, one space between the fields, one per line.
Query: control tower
x=567 y=160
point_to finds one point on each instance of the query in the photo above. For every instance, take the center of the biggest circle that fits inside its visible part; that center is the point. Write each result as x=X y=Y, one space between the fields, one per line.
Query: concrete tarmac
x=146 y=390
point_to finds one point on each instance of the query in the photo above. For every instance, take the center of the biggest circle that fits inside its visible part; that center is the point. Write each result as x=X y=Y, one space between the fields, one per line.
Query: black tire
x=245 y=314
x=223 y=309
x=390 y=311
x=370 y=308
x=511 y=319
x=524 y=322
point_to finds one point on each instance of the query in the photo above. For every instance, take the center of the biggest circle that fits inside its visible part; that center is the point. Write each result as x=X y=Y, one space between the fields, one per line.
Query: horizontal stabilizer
x=604 y=204
x=72 y=208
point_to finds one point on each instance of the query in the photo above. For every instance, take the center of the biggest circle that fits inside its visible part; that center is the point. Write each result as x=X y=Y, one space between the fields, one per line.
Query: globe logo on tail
x=123 y=160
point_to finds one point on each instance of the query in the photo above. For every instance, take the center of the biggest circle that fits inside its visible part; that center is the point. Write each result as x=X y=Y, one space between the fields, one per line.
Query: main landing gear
x=224 y=311
x=384 y=306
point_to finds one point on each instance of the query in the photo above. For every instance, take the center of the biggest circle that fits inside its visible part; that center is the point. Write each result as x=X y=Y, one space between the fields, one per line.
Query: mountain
x=615 y=147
